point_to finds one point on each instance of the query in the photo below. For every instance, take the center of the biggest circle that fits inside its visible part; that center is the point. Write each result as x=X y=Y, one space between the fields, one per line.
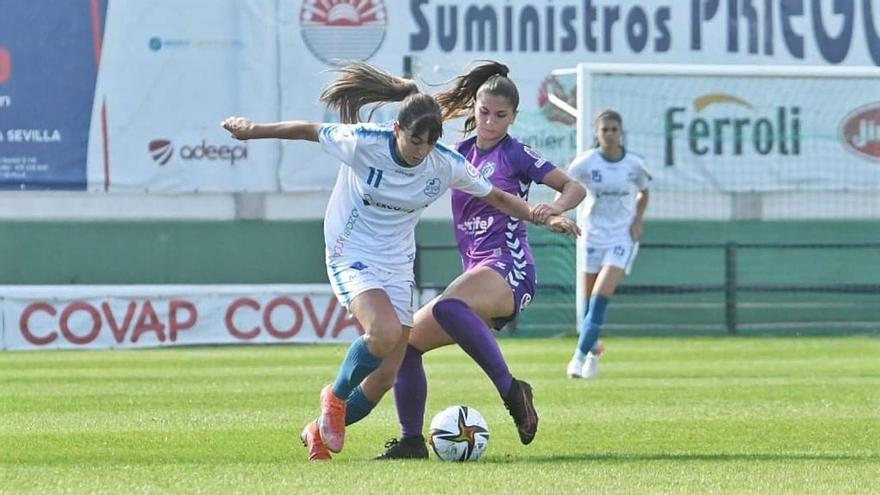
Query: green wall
x=204 y=252
x=245 y=252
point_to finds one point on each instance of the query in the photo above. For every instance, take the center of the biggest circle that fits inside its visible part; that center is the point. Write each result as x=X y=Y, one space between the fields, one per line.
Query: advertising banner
x=749 y=134
x=171 y=72
x=49 y=54
x=534 y=38
x=98 y=317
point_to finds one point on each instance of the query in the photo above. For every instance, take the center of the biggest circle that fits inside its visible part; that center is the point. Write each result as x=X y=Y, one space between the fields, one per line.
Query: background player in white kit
x=611 y=218
x=392 y=174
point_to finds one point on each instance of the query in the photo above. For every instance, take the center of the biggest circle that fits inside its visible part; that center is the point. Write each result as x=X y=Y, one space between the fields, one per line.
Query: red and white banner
x=96 y=317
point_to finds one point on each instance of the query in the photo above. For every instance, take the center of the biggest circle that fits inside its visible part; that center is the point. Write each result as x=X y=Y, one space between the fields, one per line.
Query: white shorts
x=352 y=278
x=620 y=255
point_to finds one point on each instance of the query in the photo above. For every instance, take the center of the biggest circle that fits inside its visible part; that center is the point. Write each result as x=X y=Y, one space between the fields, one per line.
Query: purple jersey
x=482 y=231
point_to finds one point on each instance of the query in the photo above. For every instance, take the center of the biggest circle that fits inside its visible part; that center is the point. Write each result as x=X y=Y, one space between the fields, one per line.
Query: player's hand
x=562 y=225
x=635 y=231
x=239 y=127
x=542 y=211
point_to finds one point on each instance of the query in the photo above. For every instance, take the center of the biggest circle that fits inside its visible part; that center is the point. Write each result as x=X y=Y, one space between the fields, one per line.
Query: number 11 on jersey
x=374 y=174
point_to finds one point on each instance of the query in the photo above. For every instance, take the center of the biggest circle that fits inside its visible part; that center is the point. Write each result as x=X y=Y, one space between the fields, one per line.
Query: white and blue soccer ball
x=459 y=433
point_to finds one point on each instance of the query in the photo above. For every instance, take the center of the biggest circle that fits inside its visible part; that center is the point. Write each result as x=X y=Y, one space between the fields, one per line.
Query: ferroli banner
x=749 y=134
x=99 y=317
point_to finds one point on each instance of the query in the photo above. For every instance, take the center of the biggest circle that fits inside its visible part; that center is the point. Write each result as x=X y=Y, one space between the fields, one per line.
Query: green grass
x=705 y=415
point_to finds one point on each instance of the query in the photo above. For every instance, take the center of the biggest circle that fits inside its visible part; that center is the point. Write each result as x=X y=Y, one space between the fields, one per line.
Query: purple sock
x=411 y=393
x=470 y=332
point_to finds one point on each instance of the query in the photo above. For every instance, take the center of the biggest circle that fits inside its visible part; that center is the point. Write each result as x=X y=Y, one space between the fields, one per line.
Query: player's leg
x=606 y=283
x=411 y=387
x=592 y=264
x=616 y=263
x=382 y=331
x=482 y=295
x=462 y=311
x=364 y=398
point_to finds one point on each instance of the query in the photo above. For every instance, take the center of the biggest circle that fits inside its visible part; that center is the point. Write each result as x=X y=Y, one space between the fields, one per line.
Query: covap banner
x=97 y=317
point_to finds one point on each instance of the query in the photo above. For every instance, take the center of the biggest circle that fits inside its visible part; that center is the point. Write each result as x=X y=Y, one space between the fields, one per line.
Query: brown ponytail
x=489 y=77
x=361 y=84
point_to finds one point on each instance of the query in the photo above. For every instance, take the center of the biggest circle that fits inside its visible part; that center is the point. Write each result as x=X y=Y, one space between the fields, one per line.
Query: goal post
x=741 y=142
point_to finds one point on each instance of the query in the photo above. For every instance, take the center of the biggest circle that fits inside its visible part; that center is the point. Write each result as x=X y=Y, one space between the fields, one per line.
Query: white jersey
x=378 y=198
x=610 y=206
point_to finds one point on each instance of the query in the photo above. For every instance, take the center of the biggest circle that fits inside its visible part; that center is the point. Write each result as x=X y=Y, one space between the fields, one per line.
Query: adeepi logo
x=5 y=65
x=343 y=29
x=860 y=131
x=162 y=150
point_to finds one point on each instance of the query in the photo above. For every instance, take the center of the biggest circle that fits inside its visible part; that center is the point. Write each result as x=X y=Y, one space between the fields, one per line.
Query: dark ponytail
x=489 y=77
x=361 y=84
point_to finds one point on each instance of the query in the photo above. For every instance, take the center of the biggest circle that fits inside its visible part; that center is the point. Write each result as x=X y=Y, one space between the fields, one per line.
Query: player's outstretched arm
x=517 y=208
x=242 y=128
x=570 y=193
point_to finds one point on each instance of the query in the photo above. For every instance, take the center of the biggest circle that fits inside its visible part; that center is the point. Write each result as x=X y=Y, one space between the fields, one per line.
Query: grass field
x=670 y=415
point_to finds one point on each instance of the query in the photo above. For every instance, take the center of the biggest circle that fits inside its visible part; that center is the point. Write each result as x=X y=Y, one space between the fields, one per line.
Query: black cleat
x=405 y=448
x=522 y=409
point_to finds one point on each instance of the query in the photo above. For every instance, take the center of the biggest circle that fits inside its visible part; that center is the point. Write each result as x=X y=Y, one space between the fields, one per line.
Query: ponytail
x=489 y=77
x=360 y=84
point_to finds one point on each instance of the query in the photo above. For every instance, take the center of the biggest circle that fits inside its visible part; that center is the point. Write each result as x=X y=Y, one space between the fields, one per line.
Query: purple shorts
x=522 y=281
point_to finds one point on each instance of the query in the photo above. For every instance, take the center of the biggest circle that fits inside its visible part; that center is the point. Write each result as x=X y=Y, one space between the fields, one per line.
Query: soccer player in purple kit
x=391 y=174
x=499 y=278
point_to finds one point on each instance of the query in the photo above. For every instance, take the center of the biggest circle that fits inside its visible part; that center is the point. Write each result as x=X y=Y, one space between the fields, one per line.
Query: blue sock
x=357 y=407
x=591 y=326
x=358 y=363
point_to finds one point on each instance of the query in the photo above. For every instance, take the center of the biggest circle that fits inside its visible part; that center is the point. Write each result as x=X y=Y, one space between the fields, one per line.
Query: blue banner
x=49 y=55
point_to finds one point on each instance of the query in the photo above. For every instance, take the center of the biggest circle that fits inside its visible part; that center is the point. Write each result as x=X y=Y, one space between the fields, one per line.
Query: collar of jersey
x=495 y=146
x=392 y=148
x=612 y=161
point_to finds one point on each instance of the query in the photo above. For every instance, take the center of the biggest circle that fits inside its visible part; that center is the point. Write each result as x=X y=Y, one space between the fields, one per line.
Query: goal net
x=730 y=143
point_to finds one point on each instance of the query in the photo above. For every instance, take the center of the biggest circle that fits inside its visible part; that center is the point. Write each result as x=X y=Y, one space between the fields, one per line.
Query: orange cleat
x=311 y=438
x=331 y=424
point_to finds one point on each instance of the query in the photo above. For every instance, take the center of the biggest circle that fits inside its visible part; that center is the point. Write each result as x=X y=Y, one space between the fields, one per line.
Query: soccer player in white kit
x=391 y=174
x=611 y=218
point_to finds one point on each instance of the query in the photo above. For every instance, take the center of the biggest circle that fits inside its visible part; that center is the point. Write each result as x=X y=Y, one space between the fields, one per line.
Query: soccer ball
x=459 y=433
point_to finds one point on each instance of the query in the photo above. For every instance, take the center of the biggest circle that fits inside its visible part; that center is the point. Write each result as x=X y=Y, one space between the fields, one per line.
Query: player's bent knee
x=381 y=342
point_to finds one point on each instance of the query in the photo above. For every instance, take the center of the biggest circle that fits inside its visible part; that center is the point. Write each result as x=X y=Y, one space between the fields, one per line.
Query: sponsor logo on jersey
x=343 y=29
x=860 y=131
x=539 y=160
x=476 y=225
x=341 y=239
x=369 y=201
x=432 y=187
